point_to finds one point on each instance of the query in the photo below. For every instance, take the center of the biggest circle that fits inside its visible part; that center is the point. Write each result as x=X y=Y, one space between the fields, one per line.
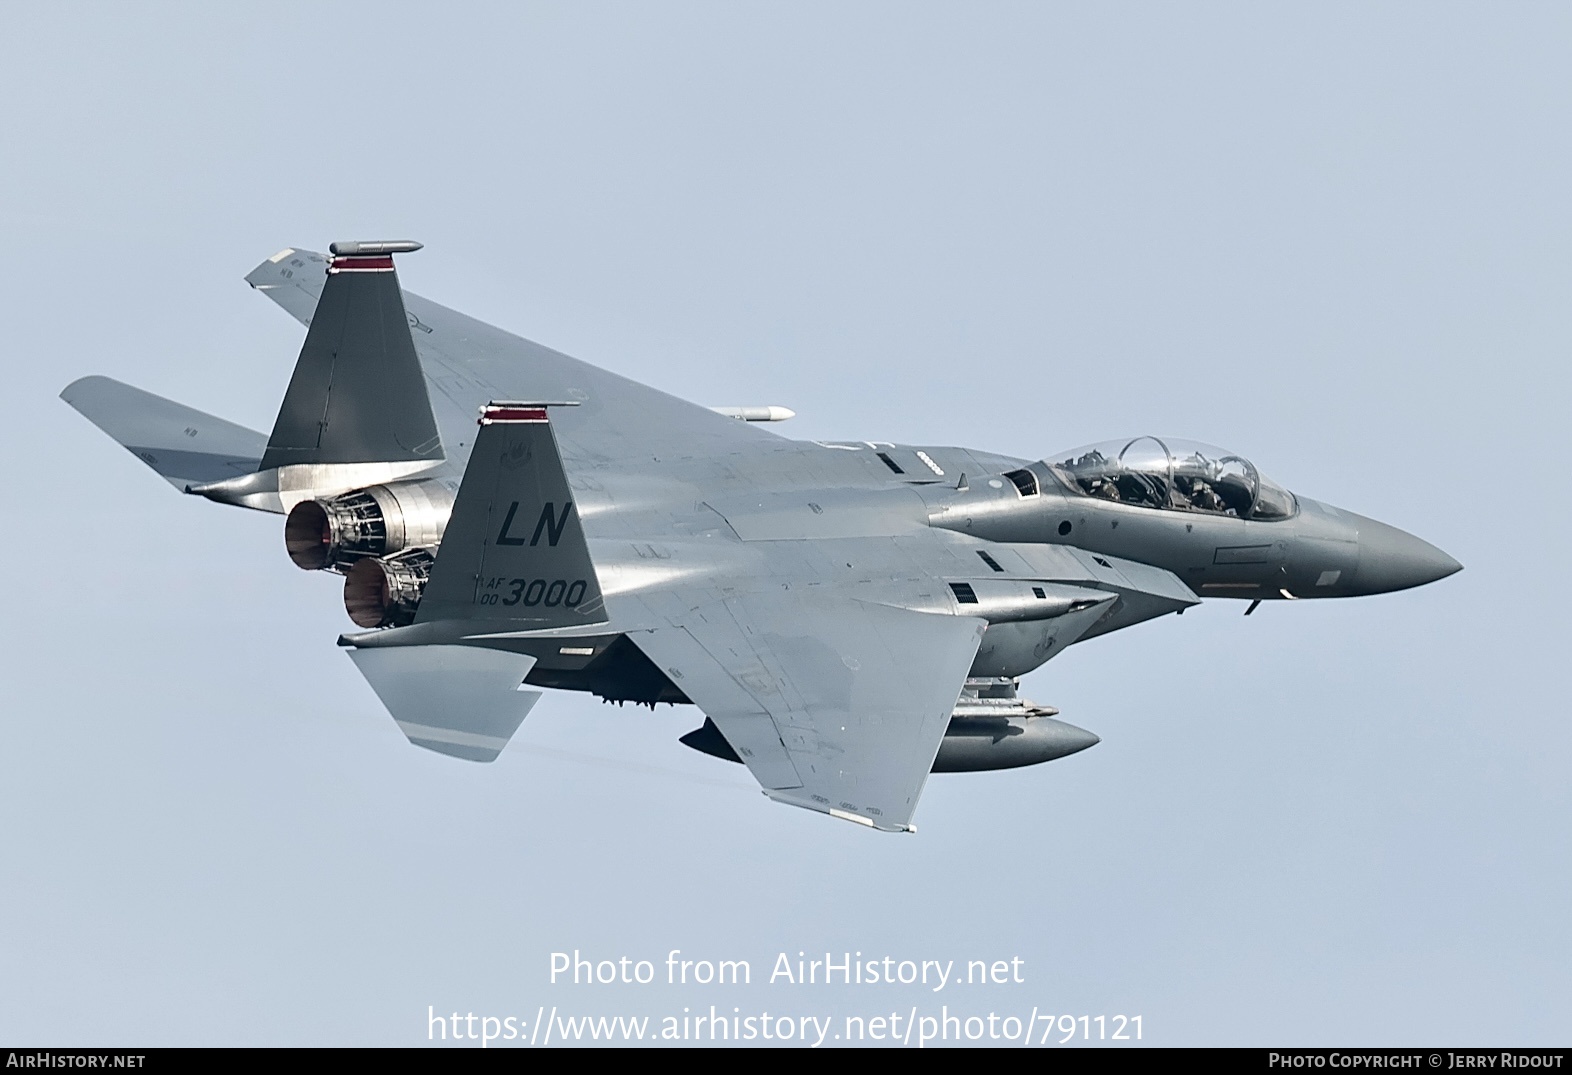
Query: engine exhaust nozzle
x=385 y=592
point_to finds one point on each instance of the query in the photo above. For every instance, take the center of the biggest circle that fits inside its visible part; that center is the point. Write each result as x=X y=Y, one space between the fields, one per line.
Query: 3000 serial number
x=531 y=592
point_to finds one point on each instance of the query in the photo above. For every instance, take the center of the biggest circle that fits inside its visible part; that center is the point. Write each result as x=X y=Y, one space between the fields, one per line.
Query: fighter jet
x=848 y=617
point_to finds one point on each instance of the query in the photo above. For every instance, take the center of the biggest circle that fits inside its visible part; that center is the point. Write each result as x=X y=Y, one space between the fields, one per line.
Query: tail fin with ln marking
x=514 y=548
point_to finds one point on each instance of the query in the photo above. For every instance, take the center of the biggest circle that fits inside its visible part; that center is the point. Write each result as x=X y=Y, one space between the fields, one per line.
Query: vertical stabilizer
x=514 y=548
x=357 y=394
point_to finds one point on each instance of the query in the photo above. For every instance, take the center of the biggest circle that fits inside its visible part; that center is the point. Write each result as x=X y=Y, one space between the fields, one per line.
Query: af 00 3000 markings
x=848 y=616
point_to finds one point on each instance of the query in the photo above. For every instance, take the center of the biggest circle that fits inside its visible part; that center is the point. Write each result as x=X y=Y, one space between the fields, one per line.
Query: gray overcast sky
x=1332 y=237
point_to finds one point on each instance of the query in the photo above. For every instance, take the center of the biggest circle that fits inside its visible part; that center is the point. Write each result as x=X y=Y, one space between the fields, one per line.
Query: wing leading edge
x=835 y=705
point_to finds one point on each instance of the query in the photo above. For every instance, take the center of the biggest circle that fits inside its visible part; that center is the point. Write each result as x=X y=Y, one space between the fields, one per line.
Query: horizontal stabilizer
x=457 y=700
x=184 y=445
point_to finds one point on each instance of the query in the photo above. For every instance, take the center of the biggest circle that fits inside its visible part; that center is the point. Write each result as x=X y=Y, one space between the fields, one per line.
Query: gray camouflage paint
x=823 y=603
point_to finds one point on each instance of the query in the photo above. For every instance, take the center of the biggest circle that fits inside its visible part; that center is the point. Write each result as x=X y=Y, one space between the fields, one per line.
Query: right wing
x=834 y=704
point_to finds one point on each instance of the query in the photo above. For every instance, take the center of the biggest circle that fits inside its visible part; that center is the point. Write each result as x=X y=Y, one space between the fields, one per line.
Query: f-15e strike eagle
x=848 y=616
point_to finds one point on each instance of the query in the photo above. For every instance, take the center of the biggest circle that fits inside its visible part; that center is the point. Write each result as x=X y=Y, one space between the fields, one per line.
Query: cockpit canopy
x=1175 y=475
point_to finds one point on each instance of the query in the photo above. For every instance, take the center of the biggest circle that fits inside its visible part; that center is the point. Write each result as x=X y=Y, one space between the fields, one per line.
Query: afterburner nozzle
x=386 y=591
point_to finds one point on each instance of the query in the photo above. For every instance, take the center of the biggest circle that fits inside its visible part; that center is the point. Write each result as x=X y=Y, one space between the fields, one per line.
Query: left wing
x=834 y=704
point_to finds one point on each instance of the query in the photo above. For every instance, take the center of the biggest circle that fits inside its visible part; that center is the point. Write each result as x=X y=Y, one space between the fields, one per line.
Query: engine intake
x=384 y=592
x=335 y=532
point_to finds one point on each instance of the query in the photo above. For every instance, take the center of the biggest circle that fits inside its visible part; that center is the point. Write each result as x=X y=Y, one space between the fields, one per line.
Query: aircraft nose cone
x=1392 y=559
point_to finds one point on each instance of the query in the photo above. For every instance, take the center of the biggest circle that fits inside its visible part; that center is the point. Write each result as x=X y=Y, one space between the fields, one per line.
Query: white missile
x=757 y=414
